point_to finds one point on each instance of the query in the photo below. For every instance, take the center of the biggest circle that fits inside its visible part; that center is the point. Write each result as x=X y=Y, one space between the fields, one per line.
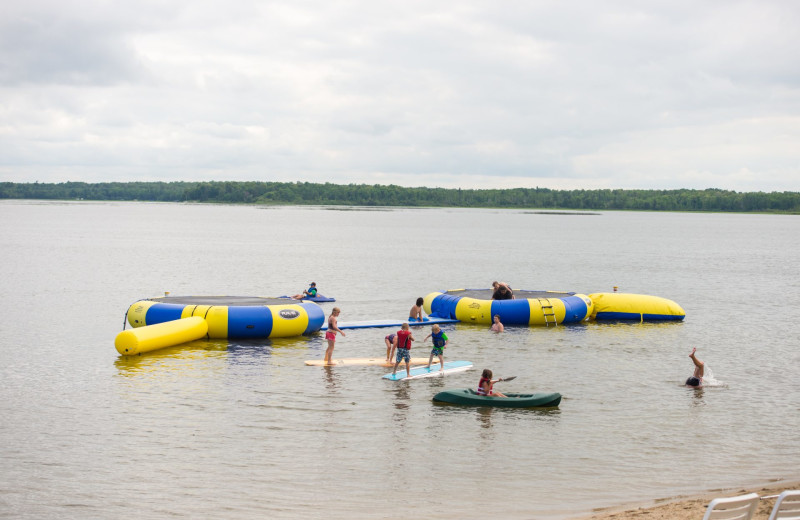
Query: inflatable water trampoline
x=528 y=307
x=233 y=317
x=549 y=307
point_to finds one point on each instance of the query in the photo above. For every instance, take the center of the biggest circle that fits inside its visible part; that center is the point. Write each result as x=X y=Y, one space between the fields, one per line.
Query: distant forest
x=307 y=193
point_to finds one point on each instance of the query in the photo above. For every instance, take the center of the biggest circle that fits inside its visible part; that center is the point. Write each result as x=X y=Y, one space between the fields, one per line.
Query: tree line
x=308 y=193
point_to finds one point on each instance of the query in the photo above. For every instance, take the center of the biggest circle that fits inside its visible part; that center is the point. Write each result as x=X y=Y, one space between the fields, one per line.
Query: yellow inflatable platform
x=640 y=307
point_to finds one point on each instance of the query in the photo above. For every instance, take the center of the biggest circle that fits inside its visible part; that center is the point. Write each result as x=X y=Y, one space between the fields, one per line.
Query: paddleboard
x=420 y=372
x=368 y=324
x=364 y=362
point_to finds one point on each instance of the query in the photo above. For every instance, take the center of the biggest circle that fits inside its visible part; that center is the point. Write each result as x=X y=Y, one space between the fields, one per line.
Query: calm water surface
x=242 y=430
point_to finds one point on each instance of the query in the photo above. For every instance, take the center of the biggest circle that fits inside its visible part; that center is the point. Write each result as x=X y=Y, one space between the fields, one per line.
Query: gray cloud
x=556 y=94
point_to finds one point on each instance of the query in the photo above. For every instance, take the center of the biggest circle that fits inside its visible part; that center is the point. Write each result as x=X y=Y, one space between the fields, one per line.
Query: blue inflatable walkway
x=369 y=324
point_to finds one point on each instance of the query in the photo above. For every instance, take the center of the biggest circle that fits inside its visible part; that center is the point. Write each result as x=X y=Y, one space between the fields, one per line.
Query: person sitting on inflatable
x=415 y=314
x=311 y=292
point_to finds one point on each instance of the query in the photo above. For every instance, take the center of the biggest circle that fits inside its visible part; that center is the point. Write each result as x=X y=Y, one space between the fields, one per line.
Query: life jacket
x=480 y=390
x=402 y=339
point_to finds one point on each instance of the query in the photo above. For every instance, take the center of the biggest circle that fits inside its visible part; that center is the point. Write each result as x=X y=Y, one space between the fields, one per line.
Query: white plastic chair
x=733 y=508
x=787 y=507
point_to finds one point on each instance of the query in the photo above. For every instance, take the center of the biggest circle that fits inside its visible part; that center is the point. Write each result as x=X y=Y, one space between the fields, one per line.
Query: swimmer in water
x=699 y=369
x=496 y=325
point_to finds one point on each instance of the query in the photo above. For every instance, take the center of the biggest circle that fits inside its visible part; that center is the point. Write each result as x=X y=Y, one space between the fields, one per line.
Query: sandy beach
x=694 y=507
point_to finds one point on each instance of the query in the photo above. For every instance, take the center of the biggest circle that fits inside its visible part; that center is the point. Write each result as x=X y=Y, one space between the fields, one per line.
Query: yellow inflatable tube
x=641 y=307
x=153 y=337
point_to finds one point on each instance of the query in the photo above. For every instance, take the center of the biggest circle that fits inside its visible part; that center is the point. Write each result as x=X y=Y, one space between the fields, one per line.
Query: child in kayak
x=440 y=341
x=486 y=383
x=403 y=341
x=415 y=314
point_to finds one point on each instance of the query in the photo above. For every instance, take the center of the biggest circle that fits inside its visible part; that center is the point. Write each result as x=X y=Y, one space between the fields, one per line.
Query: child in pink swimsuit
x=330 y=334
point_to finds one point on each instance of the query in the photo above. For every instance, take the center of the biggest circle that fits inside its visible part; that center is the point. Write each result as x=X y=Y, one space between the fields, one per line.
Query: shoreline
x=692 y=507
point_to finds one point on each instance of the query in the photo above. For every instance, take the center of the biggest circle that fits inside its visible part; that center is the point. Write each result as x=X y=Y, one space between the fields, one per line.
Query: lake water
x=240 y=430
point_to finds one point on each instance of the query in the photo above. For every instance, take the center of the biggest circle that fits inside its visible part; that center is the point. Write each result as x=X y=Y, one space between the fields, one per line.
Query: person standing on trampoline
x=330 y=334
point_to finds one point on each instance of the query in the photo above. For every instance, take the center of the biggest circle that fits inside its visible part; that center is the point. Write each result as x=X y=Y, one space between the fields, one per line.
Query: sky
x=580 y=94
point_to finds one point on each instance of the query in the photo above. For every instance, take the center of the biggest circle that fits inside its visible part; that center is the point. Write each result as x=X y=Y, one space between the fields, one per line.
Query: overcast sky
x=558 y=94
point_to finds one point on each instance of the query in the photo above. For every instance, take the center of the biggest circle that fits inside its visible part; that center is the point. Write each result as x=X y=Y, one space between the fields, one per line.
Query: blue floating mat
x=319 y=298
x=419 y=372
x=370 y=324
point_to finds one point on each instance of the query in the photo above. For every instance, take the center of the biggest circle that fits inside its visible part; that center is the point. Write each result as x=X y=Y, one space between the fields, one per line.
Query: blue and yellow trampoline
x=528 y=307
x=172 y=320
x=232 y=316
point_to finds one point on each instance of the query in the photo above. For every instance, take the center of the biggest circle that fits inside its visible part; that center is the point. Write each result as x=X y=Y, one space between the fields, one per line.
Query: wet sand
x=694 y=507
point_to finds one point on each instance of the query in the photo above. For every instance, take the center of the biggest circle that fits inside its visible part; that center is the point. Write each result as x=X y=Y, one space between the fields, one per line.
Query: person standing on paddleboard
x=330 y=334
x=440 y=341
x=389 y=340
x=403 y=340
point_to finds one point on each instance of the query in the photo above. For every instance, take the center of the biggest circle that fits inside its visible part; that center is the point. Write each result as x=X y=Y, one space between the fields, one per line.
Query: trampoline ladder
x=547 y=312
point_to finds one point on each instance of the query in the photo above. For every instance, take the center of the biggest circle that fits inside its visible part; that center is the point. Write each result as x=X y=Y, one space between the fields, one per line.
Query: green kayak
x=467 y=396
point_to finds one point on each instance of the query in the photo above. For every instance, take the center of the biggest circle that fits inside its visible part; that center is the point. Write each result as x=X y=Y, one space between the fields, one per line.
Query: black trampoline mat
x=520 y=294
x=227 y=301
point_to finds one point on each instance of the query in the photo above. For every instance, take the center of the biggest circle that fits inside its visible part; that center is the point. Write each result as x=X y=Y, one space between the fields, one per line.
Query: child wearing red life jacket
x=403 y=340
x=486 y=383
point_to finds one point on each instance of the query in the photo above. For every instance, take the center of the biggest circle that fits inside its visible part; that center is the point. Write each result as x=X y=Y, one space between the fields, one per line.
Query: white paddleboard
x=449 y=367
